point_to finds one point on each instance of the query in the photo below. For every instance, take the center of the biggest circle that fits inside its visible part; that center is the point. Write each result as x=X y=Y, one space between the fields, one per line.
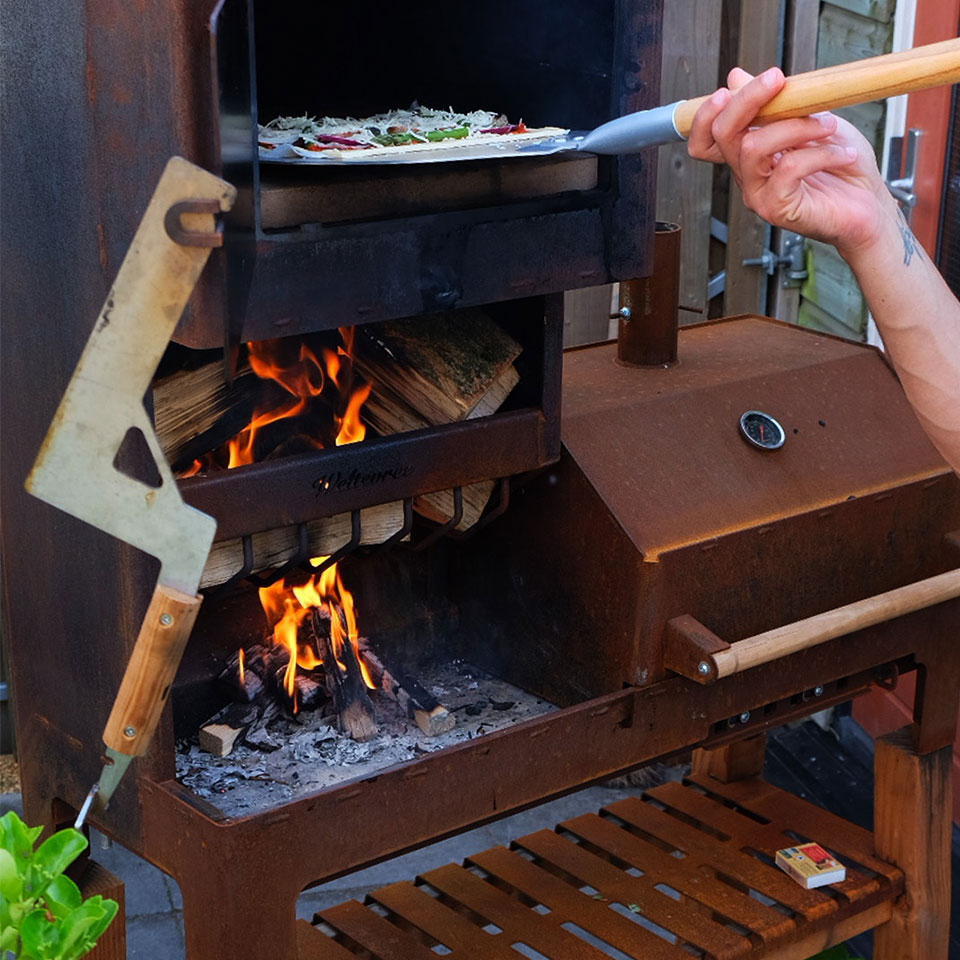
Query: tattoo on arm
x=910 y=245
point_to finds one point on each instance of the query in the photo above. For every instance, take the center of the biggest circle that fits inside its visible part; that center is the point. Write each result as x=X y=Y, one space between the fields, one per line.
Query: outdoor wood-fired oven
x=628 y=558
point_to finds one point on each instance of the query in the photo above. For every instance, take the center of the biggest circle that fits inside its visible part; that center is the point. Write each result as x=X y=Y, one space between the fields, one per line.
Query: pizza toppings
x=418 y=126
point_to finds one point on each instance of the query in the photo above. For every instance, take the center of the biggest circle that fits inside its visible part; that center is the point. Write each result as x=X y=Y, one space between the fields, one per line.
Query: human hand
x=815 y=175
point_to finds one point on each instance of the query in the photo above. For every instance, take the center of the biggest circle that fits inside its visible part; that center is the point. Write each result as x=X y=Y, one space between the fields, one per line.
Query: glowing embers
x=290 y=395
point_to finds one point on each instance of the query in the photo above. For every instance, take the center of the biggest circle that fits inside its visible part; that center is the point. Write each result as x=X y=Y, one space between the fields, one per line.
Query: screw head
x=625 y=314
x=703 y=668
x=129 y=732
x=166 y=619
x=745 y=716
x=818 y=691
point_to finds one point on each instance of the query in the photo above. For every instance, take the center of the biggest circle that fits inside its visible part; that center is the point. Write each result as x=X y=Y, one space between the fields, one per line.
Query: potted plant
x=43 y=916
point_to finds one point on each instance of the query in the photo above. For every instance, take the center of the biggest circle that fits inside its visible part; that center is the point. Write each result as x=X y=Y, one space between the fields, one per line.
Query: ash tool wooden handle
x=839 y=86
x=150 y=672
x=782 y=641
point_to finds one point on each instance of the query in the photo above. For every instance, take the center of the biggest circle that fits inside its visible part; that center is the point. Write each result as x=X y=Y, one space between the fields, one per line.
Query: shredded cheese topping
x=381 y=129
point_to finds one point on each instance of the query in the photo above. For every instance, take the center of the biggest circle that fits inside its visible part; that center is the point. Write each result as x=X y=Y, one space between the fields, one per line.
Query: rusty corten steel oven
x=655 y=509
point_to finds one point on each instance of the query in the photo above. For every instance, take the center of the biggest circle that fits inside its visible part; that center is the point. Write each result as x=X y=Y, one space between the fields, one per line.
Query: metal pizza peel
x=75 y=471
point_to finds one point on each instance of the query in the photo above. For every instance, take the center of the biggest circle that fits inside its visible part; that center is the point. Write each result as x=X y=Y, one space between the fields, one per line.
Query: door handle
x=902 y=170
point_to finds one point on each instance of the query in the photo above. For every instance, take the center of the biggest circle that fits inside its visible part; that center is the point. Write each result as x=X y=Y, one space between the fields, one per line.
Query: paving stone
x=145 y=886
x=156 y=936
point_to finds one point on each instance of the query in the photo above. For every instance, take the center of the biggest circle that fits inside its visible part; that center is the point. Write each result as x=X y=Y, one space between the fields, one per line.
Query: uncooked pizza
x=415 y=131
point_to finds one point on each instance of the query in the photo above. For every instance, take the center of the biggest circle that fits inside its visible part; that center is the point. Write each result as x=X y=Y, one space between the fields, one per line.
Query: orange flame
x=287 y=607
x=304 y=377
x=241 y=666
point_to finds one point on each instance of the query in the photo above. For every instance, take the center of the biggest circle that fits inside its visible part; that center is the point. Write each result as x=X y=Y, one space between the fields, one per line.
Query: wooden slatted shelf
x=685 y=870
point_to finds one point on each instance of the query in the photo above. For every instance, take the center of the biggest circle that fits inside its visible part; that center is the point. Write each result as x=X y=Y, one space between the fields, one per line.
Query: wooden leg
x=735 y=761
x=912 y=808
x=95 y=880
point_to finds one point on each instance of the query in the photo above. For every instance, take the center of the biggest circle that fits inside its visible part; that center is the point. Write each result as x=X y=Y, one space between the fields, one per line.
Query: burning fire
x=312 y=385
x=287 y=607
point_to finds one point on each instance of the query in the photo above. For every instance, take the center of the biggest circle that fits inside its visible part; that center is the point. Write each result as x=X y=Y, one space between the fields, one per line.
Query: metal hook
x=490 y=516
x=187 y=238
x=348 y=547
x=303 y=551
x=446 y=527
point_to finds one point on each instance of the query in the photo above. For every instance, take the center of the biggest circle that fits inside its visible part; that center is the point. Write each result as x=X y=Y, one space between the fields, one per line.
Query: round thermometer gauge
x=761 y=430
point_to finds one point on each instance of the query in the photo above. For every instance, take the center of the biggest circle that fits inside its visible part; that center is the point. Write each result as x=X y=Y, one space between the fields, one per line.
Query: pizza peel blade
x=75 y=471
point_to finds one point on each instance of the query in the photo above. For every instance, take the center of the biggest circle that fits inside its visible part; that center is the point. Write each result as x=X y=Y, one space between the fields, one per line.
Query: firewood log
x=325 y=536
x=195 y=411
x=431 y=716
x=354 y=709
x=441 y=365
x=434 y=370
x=218 y=739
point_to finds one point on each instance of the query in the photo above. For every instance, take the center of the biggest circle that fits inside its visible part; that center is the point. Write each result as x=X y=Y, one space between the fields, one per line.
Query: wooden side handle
x=839 y=86
x=150 y=672
x=802 y=634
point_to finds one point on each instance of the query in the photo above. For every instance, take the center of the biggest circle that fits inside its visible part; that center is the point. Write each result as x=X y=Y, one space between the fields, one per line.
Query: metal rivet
x=166 y=619
x=818 y=691
x=129 y=732
x=745 y=716
x=703 y=668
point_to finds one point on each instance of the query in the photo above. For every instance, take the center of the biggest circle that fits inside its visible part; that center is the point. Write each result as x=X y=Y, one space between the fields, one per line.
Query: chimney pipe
x=649 y=307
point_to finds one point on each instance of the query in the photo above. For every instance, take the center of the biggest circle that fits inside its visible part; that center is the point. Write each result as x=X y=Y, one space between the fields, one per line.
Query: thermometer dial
x=761 y=430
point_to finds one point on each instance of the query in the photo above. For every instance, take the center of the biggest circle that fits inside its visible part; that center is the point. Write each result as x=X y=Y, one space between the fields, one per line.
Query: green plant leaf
x=82 y=926
x=16 y=837
x=41 y=937
x=8 y=939
x=109 y=908
x=11 y=883
x=54 y=855
x=62 y=895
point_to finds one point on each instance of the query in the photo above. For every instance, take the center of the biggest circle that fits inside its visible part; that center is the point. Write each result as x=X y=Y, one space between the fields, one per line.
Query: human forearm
x=919 y=319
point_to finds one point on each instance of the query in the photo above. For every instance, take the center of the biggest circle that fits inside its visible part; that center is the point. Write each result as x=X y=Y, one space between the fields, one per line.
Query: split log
x=272 y=548
x=354 y=709
x=218 y=739
x=434 y=370
x=441 y=366
x=431 y=716
x=195 y=411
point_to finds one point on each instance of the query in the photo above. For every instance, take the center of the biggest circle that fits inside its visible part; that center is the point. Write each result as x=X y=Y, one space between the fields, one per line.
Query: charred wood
x=344 y=682
x=247 y=684
x=431 y=716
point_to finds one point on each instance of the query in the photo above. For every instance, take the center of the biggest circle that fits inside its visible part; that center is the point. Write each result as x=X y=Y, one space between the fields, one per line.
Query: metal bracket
x=188 y=238
x=902 y=170
x=688 y=648
x=791 y=259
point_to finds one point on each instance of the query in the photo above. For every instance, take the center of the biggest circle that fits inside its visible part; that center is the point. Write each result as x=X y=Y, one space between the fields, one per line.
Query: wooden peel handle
x=150 y=672
x=839 y=86
x=764 y=647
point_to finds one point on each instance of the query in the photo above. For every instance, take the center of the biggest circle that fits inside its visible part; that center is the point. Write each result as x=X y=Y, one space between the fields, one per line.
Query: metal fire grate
x=685 y=871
